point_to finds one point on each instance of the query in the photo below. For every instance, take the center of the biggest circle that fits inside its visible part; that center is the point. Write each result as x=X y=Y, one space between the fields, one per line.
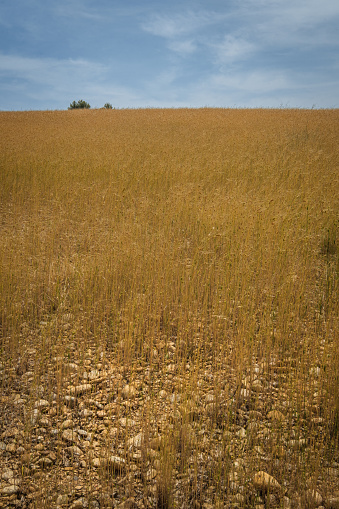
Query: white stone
x=266 y=482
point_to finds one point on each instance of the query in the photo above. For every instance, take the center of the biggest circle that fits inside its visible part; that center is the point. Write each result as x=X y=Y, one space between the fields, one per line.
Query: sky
x=169 y=54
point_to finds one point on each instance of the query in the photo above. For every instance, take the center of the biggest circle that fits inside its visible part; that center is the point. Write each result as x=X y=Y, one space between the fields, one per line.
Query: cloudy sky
x=177 y=53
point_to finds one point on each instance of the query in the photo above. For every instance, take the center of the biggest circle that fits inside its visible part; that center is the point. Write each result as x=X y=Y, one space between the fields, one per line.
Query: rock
x=259 y=450
x=11 y=447
x=45 y=462
x=71 y=367
x=245 y=393
x=239 y=498
x=136 y=441
x=70 y=401
x=69 y=435
x=151 y=474
x=210 y=398
x=44 y=421
x=255 y=415
x=266 y=483
x=62 y=500
x=298 y=444
x=35 y=415
x=81 y=389
x=332 y=502
x=85 y=412
x=241 y=433
x=79 y=504
x=314 y=497
x=315 y=371
x=10 y=490
x=41 y=403
x=286 y=503
x=10 y=433
x=257 y=386
x=7 y=474
x=155 y=443
x=73 y=450
x=271 y=500
x=129 y=391
x=68 y=424
x=126 y=422
x=116 y=464
x=128 y=504
x=275 y=415
x=92 y=375
x=233 y=476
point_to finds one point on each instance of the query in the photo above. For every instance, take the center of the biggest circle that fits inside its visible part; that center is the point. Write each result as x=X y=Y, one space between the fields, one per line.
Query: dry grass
x=191 y=251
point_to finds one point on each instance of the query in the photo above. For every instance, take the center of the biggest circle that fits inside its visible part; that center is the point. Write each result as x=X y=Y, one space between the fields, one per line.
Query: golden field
x=169 y=308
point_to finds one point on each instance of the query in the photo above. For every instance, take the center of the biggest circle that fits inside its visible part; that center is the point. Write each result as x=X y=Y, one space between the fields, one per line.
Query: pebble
x=151 y=474
x=85 y=412
x=287 y=504
x=74 y=450
x=265 y=482
x=68 y=424
x=62 y=500
x=92 y=375
x=314 y=496
x=136 y=441
x=69 y=435
x=7 y=474
x=257 y=386
x=129 y=391
x=41 y=403
x=117 y=464
x=275 y=415
x=70 y=401
x=79 y=503
x=245 y=393
x=241 y=433
x=210 y=398
x=11 y=447
x=45 y=462
x=332 y=502
x=35 y=415
x=81 y=389
x=124 y=422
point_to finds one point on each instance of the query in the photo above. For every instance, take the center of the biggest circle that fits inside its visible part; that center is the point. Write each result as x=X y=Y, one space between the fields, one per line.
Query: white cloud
x=262 y=81
x=49 y=70
x=185 y=47
x=178 y=25
x=50 y=81
x=232 y=48
x=290 y=23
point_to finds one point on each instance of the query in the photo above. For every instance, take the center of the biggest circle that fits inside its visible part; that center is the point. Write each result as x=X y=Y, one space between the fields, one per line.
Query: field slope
x=169 y=308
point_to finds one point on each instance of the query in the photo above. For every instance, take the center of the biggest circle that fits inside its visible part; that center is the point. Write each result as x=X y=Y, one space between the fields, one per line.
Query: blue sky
x=187 y=53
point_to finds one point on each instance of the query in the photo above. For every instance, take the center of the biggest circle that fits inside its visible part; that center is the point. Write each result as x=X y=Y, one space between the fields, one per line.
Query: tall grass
x=205 y=238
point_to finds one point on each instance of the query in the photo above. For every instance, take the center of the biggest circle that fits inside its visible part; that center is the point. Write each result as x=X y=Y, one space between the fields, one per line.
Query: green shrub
x=108 y=106
x=79 y=104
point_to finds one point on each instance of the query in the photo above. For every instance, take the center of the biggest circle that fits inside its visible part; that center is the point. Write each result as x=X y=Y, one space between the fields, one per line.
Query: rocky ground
x=89 y=431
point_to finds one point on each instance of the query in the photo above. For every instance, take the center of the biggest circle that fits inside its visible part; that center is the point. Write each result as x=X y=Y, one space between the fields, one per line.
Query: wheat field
x=169 y=309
